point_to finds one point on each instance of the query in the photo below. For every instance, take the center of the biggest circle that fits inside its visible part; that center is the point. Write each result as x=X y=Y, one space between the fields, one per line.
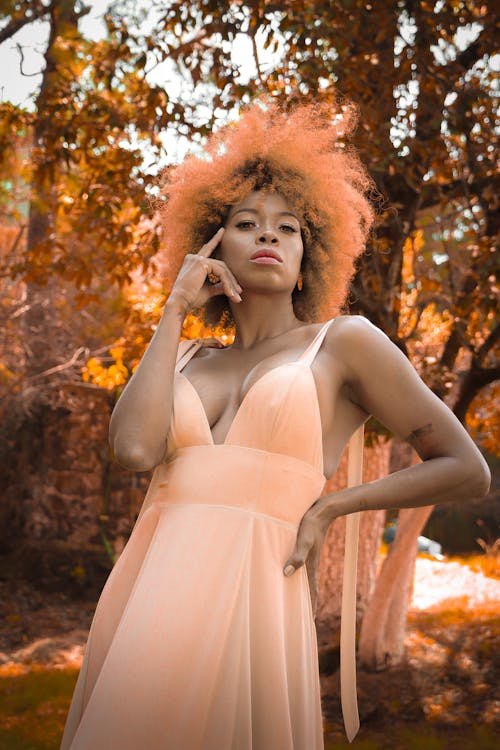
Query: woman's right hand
x=192 y=288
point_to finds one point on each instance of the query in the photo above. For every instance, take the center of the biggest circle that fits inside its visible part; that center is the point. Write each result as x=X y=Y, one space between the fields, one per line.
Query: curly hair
x=301 y=155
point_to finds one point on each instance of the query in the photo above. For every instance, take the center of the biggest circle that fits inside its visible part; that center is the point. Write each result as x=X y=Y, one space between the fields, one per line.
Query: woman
x=203 y=637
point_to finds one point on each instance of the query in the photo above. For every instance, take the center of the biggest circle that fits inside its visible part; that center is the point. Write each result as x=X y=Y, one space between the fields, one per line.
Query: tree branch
x=16 y=242
x=59 y=368
x=475 y=380
x=490 y=342
x=257 y=60
x=26 y=75
x=17 y=23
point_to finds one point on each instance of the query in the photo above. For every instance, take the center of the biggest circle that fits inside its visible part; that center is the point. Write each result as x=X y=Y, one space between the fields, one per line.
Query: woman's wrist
x=329 y=507
x=176 y=308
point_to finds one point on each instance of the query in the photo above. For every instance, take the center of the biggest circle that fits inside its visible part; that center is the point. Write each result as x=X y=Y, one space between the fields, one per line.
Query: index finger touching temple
x=212 y=243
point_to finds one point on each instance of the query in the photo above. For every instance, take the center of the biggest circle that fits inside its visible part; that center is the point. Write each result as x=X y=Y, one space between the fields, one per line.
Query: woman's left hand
x=308 y=545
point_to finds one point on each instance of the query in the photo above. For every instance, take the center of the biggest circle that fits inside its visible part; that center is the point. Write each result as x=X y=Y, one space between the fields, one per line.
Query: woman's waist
x=275 y=484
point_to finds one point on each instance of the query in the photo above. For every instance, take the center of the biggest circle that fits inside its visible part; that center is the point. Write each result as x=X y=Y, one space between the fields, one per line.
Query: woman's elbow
x=134 y=459
x=478 y=478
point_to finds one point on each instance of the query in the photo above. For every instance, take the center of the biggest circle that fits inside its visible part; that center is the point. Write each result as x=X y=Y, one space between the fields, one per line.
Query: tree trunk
x=42 y=331
x=55 y=448
x=381 y=640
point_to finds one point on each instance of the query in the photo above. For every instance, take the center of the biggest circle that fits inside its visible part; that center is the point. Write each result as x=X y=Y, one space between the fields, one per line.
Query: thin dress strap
x=348 y=693
x=308 y=355
x=186 y=349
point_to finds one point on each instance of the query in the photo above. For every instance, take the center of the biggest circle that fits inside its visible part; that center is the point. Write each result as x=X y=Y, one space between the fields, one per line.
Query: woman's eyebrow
x=246 y=210
x=255 y=211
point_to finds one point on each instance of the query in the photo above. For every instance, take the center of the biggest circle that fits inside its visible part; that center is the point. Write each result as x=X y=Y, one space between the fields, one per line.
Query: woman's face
x=263 y=223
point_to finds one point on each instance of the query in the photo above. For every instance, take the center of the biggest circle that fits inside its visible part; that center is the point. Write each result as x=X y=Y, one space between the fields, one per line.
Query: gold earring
x=299 y=281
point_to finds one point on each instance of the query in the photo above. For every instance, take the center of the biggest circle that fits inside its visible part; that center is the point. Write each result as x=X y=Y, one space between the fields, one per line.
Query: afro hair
x=301 y=154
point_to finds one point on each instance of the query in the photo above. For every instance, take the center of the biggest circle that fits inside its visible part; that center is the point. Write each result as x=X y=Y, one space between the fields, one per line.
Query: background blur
x=96 y=98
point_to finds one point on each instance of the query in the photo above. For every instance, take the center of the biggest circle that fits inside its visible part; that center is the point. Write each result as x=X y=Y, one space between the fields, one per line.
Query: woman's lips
x=265 y=259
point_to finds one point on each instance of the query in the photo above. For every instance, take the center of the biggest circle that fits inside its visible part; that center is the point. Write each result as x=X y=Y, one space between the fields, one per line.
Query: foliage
x=489 y=563
x=107 y=377
x=427 y=114
x=483 y=418
x=84 y=171
x=426 y=132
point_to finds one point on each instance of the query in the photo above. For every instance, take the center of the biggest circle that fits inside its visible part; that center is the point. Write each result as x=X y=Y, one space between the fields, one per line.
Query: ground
x=441 y=697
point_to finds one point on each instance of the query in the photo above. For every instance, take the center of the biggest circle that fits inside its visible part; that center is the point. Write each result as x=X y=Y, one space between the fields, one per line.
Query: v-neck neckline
x=300 y=361
x=245 y=397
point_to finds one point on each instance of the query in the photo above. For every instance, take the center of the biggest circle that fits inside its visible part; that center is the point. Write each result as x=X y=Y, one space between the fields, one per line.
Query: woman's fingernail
x=289 y=570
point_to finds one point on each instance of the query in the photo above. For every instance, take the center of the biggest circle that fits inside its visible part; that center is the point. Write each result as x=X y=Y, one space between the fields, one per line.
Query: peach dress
x=199 y=641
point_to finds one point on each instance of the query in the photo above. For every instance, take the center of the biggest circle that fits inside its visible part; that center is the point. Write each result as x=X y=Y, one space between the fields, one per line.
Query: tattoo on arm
x=416 y=436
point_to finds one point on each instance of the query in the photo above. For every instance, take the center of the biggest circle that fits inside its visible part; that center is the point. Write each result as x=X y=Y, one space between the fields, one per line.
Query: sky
x=21 y=89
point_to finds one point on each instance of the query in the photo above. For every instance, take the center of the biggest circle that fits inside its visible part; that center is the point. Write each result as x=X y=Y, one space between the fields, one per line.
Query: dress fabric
x=199 y=641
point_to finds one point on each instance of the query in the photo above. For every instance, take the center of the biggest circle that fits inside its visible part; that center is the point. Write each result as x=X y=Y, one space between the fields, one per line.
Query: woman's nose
x=267 y=236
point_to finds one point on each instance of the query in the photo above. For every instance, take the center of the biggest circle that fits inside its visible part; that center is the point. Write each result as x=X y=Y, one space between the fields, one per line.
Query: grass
x=420 y=738
x=33 y=709
x=34 y=700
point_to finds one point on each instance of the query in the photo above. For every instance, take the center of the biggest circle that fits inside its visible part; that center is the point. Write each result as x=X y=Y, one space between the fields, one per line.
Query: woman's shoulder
x=354 y=340
x=353 y=325
x=350 y=328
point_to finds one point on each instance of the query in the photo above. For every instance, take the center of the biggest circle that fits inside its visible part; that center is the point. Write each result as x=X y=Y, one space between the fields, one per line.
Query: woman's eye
x=249 y=224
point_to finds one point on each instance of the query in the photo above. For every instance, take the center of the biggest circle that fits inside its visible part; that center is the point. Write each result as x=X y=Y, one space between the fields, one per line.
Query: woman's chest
x=232 y=391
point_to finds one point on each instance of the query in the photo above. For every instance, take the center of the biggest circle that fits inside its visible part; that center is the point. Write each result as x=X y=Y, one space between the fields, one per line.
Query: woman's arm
x=138 y=427
x=384 y=384
x=140 y=421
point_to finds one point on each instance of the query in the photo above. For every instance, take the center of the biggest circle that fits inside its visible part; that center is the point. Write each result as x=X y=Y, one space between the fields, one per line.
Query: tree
x=420 y=74
x=84 y=178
